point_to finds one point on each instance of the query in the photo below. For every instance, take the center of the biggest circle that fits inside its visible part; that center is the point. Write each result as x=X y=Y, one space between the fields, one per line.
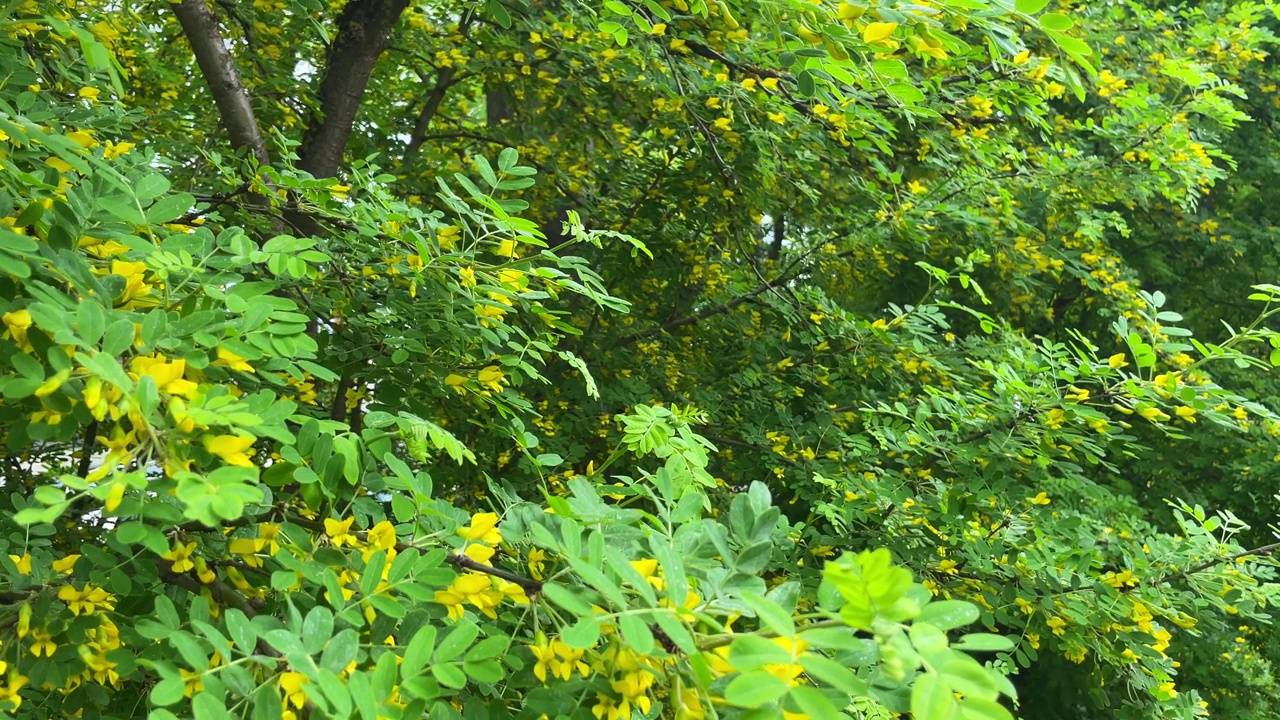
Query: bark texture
x=363 y=29
x=219 y=70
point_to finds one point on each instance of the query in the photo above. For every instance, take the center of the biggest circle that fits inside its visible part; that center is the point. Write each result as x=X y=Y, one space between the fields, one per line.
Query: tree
x=542 y=359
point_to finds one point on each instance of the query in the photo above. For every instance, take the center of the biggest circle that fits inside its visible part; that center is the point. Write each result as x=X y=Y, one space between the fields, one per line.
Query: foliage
x=637 y=359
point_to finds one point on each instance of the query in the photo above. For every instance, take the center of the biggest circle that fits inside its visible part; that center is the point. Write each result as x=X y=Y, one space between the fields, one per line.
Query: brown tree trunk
x=363 y=29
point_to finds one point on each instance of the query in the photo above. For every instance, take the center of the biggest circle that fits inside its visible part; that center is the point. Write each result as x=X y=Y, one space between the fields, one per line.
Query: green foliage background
x=391 y=359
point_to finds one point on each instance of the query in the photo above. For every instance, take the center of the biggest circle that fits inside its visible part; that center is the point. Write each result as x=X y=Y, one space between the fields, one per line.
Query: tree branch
x=363 y=29
x=219 y=70
x=1258 y=551
x=531 y=587
x=443 y=82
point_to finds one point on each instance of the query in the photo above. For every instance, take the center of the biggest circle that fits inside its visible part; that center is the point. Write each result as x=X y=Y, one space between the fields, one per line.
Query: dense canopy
x=639 y=359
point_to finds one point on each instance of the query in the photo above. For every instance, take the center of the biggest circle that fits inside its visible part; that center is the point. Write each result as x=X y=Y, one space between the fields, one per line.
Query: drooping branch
x=1263 y=551
x=429 y=110
x=219 y=70
x=363 y=29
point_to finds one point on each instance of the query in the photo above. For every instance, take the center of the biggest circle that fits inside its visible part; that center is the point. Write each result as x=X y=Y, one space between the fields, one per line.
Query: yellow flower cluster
x=483 y=592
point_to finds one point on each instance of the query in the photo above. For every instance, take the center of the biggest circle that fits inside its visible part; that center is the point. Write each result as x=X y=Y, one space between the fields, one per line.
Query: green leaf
x=931 y=699
x=832 y=673
x=1056 y=21
x=567 y=599
x=167 y=612
x=636 y=633
x=582 y=634
x=983 y=709
x=890 y=68
x=341 y=650
x=814 y=703
x=317 y=628
x=964 y=675
x=151 y=186
x=1072 y=45
x=755 y=688
x=457 y=641
x=1030 y=7
x=909 y=94
x=418 y=653
x=770 y=614
x=449 y=675
x=985 y=642
x=208 y=707
x=241 y=630
x=168 y=691
x=190 y=650
x=949 y=614
x=748 y=652
x=170 y=208
x=676 y=631
x=927 y=639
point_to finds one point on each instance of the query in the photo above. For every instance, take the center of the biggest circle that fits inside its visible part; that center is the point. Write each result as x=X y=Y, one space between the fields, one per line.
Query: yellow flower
x=16 y=324
x=87 y=600
x=537 y=562
x=475 y=589
x=491 y=377
x=167 y=375
x=1186 y=413
x=23 y=562
x=42 y=643
x=1040 y=499
x=1117 y=361
x=89 y=93
x=1120 y=580
x=648 y=569
x=83 y=138
x=180 y=556
x=456 y=382
x=232 y=360
x=483 y=528
x=1154 y=414
x=634 y=689
x=9 y=693
x=193 y=681
x=339 y=532
x=878 y=31
x=134 y=274
x=382 y=536
x=480 y=553
x=1058 y=625
x=231 y=448
x=546 y=657
x=468 y=277
x=448 y=237
x=115 y=150
x=770 y=84
x=606 y=709
x=291 y=686
x=66 y=564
